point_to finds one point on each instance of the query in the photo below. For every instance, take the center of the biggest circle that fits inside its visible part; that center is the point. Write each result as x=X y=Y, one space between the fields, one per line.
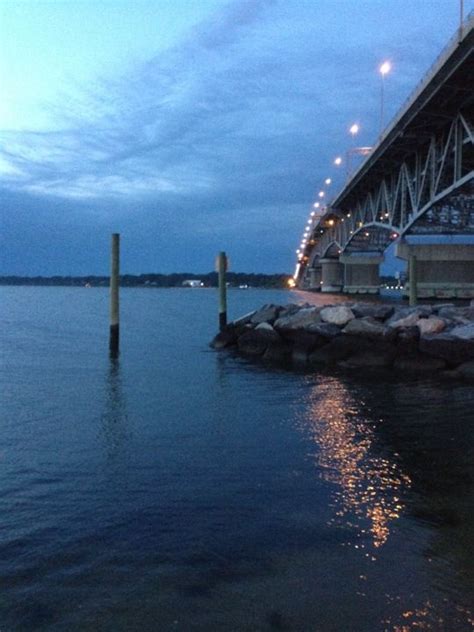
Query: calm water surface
x=182 y=489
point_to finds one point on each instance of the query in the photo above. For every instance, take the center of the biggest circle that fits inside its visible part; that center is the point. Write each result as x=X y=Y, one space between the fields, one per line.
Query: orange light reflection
x=369 y=486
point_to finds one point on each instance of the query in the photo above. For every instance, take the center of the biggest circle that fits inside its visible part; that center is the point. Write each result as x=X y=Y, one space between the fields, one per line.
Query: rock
x=454 y=350
x=228 y=337
x=374 y=310
x=339 y=348
x=264 y=327
x=431 y=325
x=466 y=370
x=324 y=329
x=278 y=352
x=243 y=320
x=367 y=327
x=337 y=315
x=289 y=310
x=407 y=340
x=418 y=363
x=299 y=357
x=302 y=317
x=372 y=358
x=404 y=321
x=465 y=332
x=409 y=313
x=444 y=306
x=303 y=338
x=459 y=315
x=267 y=314
x=256 y=341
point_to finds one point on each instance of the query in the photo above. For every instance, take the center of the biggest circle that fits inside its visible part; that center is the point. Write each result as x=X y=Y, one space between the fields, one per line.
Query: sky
x=190 y=126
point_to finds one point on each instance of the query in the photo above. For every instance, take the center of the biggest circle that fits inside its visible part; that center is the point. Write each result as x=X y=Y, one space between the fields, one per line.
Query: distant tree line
x=154 y=280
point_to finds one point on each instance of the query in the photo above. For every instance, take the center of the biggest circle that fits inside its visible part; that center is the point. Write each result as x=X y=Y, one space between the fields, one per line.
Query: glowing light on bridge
x=327 y=181
x=354 y=129
x=385 y=68
x=338 y=161
x=316 y=205
x=321 y=194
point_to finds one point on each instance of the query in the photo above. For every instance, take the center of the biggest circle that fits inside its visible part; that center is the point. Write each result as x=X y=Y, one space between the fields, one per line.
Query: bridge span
x=415 y=189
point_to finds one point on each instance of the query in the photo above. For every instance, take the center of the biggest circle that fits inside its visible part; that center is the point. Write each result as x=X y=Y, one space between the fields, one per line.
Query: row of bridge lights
x=318 y=208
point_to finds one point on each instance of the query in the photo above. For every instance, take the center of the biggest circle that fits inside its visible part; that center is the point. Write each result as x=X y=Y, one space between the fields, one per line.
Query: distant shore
x=178 y=279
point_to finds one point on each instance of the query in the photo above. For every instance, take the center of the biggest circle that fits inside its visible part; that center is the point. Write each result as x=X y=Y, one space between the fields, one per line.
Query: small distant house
x=193 y=283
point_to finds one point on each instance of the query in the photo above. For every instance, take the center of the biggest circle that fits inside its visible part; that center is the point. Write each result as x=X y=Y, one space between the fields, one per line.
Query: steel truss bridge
x=418 y=180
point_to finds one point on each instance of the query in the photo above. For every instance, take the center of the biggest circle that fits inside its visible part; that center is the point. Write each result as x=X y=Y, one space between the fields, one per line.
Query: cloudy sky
x=190 y=126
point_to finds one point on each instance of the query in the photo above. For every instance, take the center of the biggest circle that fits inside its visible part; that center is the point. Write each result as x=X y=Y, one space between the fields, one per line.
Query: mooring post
x=412 y=280
x=221 y=270
x=114 y=295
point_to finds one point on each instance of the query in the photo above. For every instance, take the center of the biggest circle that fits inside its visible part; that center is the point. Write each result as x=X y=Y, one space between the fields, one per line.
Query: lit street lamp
x=384 y=69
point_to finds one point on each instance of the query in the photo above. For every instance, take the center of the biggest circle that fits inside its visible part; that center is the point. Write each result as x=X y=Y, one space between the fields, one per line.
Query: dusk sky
x=190 y=126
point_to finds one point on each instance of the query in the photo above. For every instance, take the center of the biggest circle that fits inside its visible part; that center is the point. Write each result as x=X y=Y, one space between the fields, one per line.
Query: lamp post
x=353 y=130
x=384 y=69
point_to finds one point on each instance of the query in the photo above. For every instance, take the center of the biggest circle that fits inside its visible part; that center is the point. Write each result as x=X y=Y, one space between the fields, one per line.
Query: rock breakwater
x=413 y=340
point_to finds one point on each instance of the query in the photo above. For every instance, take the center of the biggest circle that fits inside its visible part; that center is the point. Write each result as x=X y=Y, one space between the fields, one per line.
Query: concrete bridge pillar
x=315 y=278
x=361 y=273
x=332 y=275
x=443 y=270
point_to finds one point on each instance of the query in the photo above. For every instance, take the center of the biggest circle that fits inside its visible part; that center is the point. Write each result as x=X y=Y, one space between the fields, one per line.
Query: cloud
x=230 y=132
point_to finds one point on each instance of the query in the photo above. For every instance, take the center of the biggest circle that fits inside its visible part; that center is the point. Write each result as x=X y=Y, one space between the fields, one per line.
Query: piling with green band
x=221 y=270
x=114 y=295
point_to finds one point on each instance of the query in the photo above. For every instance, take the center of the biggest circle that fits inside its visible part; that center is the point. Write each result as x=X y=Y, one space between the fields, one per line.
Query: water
x=183 y=489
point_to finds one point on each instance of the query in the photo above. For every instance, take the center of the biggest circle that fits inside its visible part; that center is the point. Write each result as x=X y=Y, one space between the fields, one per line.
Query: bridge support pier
x=443 y=270
x=315 y=278
x=361 y=273
x=332 y=275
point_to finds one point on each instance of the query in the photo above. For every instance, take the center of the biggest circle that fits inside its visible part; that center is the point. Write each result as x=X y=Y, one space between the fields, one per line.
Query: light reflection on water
x=369 y=487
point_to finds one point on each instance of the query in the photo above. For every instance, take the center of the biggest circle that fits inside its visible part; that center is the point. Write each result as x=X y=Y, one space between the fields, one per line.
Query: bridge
x=414 y=189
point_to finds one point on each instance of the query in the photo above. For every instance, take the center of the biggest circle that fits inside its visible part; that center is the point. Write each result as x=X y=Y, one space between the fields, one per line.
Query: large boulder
x=304 y=339
x=256 y=341
x=368 y=327
x=374 y=310
x=431 y=325
x=466 y=370
x=278 y=352
x=418 y=363
x=301 y=318
x=228 y=337
x=267 y=314
x=465 y=332
x=371 y=358
x=399 y=320
x=339 y=348
x=454 y=350
x=337 y=315
x=326 y=330
x=459 y=315
x=407 y=340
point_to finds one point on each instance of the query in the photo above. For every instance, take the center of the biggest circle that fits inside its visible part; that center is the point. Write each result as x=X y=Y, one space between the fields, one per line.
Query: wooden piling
x=221 y=270
x=413 y=290
x=114 y=295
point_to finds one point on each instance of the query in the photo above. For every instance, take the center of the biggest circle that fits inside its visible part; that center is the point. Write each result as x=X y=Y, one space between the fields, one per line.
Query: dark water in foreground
x=182 y=489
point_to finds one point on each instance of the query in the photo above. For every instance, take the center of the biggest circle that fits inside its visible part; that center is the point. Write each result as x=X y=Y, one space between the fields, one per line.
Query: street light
x=353 y=130
x=384 y=69
x=338 y=161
